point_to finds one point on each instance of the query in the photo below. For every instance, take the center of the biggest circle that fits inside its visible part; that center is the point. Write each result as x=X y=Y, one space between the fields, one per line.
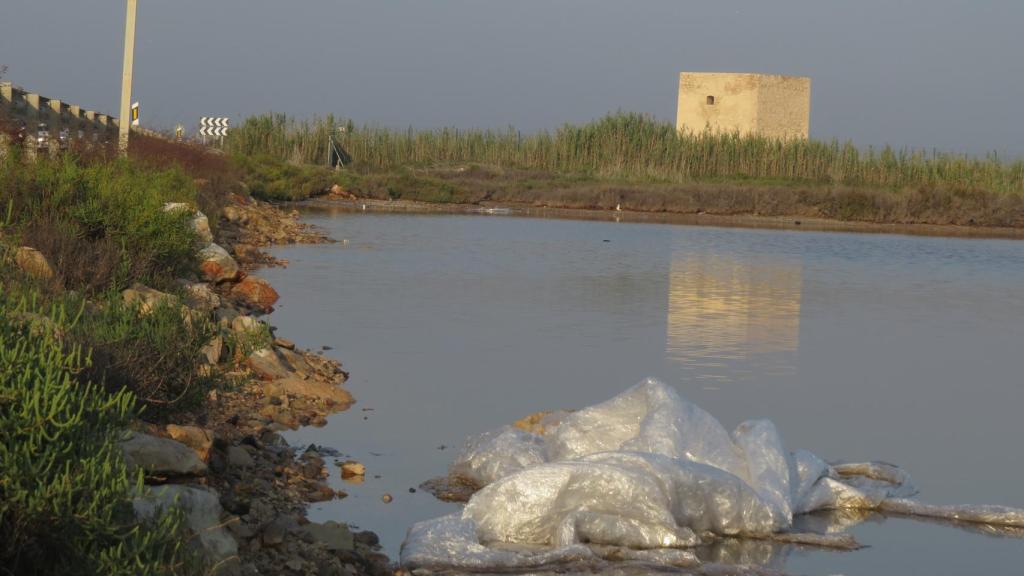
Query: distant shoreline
x=751 y=221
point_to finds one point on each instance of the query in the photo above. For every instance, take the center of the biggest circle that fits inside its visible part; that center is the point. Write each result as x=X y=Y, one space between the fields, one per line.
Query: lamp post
x=125 y=124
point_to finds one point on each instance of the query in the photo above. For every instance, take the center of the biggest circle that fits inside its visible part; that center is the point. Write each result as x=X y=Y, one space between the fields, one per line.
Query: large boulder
x=161 y=456
x=217 y=265
x=202 y=517
x=256 y=293
x=147 y=298
x=33 y=263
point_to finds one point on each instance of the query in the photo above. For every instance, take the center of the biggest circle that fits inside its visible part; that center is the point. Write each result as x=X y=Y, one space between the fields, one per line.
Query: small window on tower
x=711 y=100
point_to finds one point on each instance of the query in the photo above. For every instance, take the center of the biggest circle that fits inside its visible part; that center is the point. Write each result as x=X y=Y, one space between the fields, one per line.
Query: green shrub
x=65 y=492
x=406 y=185
x=241 y=345
x=155 y=355
x=102 y=225
x=273 y=179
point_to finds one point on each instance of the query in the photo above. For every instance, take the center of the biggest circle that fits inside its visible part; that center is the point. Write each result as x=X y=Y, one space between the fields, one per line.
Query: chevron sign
x=212 y=126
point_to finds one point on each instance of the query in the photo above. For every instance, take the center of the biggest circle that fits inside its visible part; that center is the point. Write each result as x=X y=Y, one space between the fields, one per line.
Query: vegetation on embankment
x=78 y=364
x=634 y=162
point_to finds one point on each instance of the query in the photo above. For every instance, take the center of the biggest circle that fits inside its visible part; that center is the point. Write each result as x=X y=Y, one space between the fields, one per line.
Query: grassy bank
x=78 y=364
x=631 y=161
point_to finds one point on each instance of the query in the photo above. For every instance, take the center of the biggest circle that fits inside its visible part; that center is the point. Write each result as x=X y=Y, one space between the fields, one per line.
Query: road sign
x=135 y=114
x=214 y=126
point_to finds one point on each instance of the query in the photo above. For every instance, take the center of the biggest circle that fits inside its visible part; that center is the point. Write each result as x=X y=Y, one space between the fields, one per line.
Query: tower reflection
x=729 y=317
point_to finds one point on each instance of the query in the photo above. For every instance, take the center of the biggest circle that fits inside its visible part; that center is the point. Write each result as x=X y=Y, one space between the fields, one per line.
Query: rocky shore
x=243 y=488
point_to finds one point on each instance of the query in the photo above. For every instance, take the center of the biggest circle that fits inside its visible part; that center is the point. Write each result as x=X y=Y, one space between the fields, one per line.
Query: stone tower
x=764 y=104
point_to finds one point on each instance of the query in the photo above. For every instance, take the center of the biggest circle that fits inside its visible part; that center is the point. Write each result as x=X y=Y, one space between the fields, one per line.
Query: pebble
x=351 y=468
x=386 y=498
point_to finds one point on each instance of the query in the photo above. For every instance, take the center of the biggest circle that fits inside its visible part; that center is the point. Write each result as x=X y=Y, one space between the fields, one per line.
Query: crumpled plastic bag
x=498 y=453
x=645 y=470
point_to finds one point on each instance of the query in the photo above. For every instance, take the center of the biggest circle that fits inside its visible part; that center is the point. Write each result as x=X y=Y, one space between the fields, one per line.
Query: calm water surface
x=904 y=349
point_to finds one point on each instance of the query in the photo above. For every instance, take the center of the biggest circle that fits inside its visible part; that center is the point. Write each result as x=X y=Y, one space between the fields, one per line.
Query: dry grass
x=629 y=146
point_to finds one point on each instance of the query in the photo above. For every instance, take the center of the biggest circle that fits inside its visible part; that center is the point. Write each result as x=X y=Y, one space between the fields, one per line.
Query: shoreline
x=265 y=485
x=747 y=221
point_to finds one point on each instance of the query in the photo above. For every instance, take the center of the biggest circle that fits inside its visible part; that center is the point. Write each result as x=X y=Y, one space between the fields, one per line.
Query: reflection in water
x=452 y=325
x=723 y=310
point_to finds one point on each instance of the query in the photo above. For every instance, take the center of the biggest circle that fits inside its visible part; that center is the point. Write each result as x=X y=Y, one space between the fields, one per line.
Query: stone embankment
x=243 y=489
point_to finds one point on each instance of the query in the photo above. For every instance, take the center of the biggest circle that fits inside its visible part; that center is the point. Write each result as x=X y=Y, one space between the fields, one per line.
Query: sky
x=930 y=74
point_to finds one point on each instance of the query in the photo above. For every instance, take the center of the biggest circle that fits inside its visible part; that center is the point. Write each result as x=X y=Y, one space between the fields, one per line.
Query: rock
x=295 y=565
x=296 y=361
x=225 y=316
x=334 y=536
x=199 y=296
x=352 y=468
x=261 y=513
x=217 y=265
x=386 y=498
x=213 y=350
x=238 y=457
x=256 y=292
x=194 y=437
x=249 y=253
x=268 y=365
x=202 y=516
x=242 y=325
x=310 y=389
x=37 y=324
x=33 y=263
x=176 y=207
x=147 y=298
x=273 y=439
x=200 y=223
x=161 y=456
x=241 y=531
x=274 y=533
x=284 y=343
x=233 y=214
x=367 y=538
x=236 y=503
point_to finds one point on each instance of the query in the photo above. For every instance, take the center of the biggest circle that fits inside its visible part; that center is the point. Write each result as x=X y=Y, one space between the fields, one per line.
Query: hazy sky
x=946 y=74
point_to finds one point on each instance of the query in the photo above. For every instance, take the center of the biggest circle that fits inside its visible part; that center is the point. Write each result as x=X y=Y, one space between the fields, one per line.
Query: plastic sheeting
x=645 y=470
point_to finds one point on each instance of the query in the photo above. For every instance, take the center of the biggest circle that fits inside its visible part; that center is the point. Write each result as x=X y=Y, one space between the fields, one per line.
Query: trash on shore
x=644 y=478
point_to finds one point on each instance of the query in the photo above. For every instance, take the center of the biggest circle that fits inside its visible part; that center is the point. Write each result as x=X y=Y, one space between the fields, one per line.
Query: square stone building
x=764 y=104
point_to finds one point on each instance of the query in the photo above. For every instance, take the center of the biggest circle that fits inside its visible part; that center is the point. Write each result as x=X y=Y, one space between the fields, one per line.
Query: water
x=904 y=349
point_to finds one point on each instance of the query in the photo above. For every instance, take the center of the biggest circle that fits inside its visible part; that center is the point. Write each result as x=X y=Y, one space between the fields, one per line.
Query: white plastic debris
x=496 y=454
x=646 y=470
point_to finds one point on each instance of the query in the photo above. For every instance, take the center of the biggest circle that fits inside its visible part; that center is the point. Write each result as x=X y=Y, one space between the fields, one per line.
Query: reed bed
x=626 y=146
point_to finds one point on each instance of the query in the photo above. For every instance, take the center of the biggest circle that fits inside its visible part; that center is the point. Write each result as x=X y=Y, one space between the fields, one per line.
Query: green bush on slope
x=65 y=492
x=101 y=224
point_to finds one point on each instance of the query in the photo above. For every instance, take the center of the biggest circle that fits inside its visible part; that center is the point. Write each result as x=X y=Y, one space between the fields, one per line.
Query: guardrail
x=57 y=115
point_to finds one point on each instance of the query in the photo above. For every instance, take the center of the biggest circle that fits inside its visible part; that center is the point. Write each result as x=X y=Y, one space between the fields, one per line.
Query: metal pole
x=126 y=77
